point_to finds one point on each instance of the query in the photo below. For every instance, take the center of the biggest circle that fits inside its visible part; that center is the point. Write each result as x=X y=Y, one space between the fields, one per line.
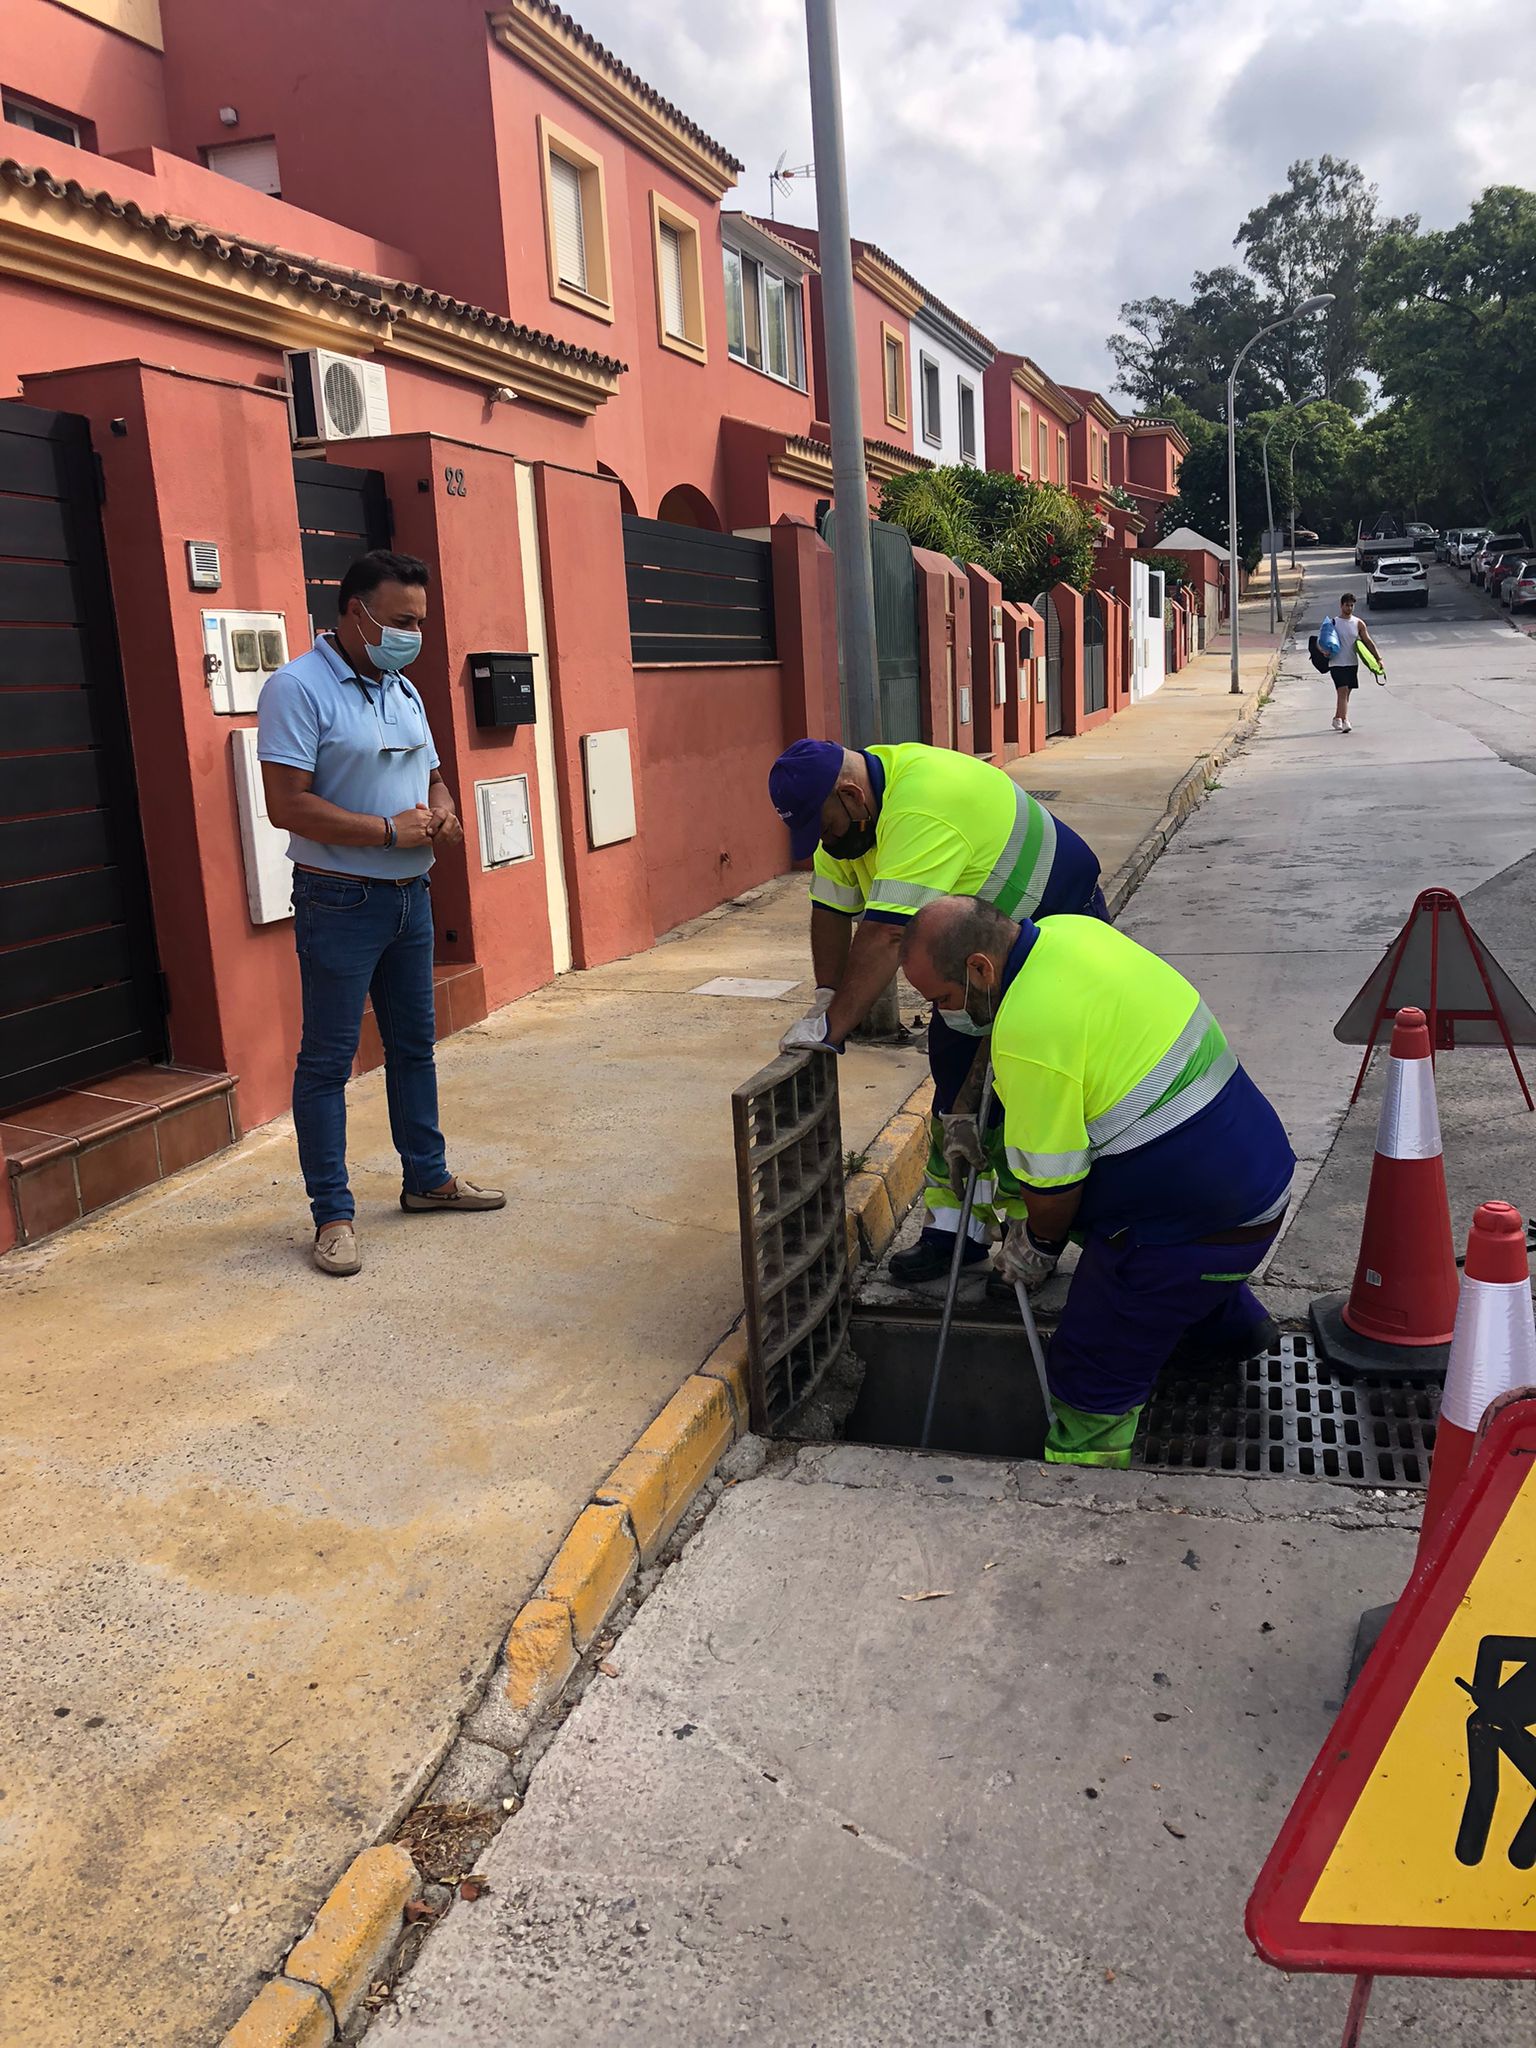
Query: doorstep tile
x=197 y=1132
x=118 y=1166
x=24 y=1148
x=79 y=1114
x=47 y=1199
x=160 y=1086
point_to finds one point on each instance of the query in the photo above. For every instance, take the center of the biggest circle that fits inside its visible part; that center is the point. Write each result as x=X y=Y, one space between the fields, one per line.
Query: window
x=1061 y=458
x=763 y=323
x=1154 y=596
x=248 y=163
x=576 y=223
x=679 y=279
x=1045 y=454
x=895 y=378
x=1024 y=440
x=49 y=121
x=933 y=422
x=967 y=393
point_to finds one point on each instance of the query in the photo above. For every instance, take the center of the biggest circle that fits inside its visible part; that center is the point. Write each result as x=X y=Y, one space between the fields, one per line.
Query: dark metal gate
x=1095 y=682
x=896 y=650
x=1053 y=717
x=342 y=514
x=695 y=597
x=79 y=979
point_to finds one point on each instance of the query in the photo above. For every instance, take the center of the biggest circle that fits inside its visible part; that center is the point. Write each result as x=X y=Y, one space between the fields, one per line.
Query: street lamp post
x=1296 y=405
x=850 y=484
x=1315 y=304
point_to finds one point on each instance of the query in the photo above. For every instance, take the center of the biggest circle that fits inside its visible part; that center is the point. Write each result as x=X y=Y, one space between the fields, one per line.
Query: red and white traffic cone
x=1399 y=1315
x=1492 y=1351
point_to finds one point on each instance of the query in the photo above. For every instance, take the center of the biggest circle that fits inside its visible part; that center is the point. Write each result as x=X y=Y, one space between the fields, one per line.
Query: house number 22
x=454 y=479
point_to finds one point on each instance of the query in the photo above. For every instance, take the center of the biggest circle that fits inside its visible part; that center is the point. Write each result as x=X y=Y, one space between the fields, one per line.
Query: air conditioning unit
x=335 y=398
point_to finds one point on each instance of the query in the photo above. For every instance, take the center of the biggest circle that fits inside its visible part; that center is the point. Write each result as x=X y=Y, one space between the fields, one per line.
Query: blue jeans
x=357 y=939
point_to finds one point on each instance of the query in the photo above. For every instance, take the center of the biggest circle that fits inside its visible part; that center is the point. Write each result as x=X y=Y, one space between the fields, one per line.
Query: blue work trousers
x=357 y=939
x=1129 y=1305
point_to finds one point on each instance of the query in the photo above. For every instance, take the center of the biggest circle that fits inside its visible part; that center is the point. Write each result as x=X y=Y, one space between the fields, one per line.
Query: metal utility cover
x=506 y=825
x=610 y=786
x=794 y=1233
x=743 y=985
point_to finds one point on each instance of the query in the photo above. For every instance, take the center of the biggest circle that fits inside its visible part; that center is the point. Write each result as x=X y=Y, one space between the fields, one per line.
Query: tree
x=1178 y=353
x=1028 y=535
x=1316 y=236
x=1453 y=336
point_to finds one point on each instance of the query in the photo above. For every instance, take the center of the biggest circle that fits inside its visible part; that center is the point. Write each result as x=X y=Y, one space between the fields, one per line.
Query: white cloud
x=1037 y=164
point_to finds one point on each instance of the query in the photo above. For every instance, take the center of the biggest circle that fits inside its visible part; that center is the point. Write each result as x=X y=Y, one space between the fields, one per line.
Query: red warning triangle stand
x=1439 y=965
x=1409 y=1850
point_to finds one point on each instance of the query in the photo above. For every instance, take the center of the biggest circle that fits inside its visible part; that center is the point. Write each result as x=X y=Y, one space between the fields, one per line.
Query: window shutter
x=570 y=227
x=967 y=420
x=248 y=163
x=670 y=247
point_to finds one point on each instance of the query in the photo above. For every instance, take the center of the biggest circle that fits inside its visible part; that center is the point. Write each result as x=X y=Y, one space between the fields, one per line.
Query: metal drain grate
x=794 y=1235
x=1285 y=1414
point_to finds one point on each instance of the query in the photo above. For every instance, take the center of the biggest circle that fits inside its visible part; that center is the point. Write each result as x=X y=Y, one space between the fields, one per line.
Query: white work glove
x=1023 y=1258
x=809 y=1033
x=962 y=1148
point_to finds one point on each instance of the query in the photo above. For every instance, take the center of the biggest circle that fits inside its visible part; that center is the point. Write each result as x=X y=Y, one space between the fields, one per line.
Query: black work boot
x=930 y=1257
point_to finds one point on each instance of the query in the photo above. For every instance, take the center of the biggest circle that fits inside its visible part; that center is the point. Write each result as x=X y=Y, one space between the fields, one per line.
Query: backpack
x=1316 y=656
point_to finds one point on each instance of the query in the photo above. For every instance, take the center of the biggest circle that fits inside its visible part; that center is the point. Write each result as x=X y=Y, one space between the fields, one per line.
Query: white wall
x=951 y=369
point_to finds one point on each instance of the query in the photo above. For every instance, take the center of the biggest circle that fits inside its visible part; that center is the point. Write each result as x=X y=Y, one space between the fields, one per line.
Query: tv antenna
x=783 y=176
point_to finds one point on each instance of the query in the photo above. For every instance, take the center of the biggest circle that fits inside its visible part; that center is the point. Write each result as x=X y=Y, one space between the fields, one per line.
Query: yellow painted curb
x=900 y=1156
x=592 y=1569
x=728 y=1364
x=540 y=1655
x=868 y=1201
x=657 y=1481
x=920 y=1101
x=354 y=1931
x=283 y=2015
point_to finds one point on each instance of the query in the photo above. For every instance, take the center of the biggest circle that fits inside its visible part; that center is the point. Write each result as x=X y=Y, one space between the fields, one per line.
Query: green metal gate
x=895 y=578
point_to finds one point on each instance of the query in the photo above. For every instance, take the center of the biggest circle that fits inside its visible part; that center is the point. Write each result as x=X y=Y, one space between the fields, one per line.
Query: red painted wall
x=586 y=611
x=50 y=54
x=984 y=591
x=805 y=613
x=208 y=461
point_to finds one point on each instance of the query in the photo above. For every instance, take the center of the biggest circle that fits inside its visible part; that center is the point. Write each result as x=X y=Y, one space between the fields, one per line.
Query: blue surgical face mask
x=398 y=647
x=962 y=1020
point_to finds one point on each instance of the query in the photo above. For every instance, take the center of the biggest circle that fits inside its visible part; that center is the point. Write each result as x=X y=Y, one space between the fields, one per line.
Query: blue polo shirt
x=366 y=743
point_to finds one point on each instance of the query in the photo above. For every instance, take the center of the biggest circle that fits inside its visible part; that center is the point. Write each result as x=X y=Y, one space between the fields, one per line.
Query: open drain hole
x=1282 y=1415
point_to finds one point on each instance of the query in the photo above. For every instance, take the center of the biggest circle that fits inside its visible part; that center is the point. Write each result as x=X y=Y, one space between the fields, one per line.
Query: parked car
x=1488 y=551
x=1502 y=566
x=1304 y=537
x=1421 y=538
x=1445 y=544
x=1519 y=589
x=1398 y=579
x=1468 y=540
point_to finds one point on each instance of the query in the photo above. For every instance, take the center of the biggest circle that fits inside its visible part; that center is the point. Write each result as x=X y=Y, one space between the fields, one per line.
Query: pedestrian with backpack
x=1336 y=646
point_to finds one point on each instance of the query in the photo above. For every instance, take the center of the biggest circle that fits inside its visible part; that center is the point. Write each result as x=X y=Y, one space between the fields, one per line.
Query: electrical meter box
x=264 y=849
x=506 y=824
x=503 y=689
x=240 y=650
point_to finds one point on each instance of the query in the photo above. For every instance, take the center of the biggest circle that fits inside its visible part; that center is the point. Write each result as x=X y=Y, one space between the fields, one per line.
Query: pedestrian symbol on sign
x=1499 y=1725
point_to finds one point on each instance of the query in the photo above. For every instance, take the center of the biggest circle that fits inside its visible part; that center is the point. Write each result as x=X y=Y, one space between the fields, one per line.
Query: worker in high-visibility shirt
x=893 y=828
x=1131 y=1127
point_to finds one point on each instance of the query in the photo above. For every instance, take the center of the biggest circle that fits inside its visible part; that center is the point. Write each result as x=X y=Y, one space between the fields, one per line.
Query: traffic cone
x=1493 y=1349
x=1400 y=1313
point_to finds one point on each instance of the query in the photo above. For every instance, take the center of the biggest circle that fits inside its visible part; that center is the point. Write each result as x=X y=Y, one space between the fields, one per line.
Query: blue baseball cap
x=799 y=783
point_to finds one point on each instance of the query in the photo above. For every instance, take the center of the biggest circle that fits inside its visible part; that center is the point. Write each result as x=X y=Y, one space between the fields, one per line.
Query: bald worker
x=893 y=828
x=1130 y=1126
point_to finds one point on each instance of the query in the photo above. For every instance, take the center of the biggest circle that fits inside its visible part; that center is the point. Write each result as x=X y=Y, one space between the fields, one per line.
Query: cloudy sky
x=1035 y=164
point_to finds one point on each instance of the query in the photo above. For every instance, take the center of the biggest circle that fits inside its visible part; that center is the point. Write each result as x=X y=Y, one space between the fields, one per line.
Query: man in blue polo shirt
x=352 y=776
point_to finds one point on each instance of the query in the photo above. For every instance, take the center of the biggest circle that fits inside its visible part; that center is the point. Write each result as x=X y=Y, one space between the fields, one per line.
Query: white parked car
x=1468 y=541
x=1398 y=579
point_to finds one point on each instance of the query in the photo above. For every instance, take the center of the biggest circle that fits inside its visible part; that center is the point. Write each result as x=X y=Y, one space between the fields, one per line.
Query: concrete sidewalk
x=266 y=1531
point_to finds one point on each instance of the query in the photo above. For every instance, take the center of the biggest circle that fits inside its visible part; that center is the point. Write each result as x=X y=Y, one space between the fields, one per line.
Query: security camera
x=503 y=394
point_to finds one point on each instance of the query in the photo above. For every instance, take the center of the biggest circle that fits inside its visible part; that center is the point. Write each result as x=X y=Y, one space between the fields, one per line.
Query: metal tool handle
x=962 y=1235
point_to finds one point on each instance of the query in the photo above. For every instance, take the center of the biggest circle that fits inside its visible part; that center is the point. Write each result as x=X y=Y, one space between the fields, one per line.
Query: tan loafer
x=463 y=1195
x=335 y=1250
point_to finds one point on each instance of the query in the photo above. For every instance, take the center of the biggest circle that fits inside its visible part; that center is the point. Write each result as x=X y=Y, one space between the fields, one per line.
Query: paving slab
x=809 y=1809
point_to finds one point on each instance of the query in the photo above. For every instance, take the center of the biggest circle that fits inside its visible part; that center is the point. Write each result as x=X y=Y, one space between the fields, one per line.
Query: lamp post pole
x=850 y=484
x=1316 y=304
x=1296 y=405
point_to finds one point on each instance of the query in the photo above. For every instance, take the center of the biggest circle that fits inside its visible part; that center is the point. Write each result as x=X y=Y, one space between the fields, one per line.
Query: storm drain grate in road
x=794 y=1235
x=1286 y=1415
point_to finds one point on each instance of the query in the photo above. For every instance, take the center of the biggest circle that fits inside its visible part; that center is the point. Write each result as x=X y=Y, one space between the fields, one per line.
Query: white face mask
x=962 y=1020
